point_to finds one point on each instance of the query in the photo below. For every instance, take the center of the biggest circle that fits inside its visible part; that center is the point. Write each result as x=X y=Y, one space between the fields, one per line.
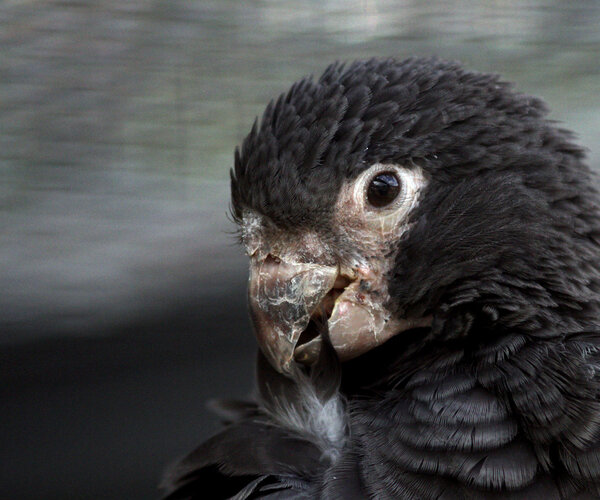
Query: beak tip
x=283 y=367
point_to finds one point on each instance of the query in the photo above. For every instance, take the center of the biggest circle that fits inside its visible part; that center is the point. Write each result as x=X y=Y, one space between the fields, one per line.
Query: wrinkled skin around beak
x=282 y=298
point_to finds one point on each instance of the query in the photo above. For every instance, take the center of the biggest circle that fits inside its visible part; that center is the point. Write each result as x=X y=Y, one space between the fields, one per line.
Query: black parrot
x=424 y=285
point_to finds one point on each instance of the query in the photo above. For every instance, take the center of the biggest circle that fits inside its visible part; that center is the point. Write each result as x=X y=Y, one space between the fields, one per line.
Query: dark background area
x=122 y=303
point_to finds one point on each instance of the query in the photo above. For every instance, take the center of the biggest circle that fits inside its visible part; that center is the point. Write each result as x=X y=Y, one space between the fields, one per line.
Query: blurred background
x=122 y=303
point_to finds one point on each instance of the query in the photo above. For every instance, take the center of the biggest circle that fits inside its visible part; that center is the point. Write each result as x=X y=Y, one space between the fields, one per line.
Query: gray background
x=122 y=304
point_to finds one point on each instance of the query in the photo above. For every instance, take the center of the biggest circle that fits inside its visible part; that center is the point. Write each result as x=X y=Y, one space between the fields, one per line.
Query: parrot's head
x=391 y=196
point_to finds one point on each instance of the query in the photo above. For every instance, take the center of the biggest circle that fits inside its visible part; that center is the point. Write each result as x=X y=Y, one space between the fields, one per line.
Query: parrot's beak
x=282 y=297
x=288 y=298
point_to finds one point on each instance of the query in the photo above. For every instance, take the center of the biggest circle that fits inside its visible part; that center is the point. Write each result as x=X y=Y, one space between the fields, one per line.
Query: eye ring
x=383 y=189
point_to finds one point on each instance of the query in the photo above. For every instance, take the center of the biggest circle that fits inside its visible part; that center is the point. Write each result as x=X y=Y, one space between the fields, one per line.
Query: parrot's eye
x=382 y=196
x=383 y=189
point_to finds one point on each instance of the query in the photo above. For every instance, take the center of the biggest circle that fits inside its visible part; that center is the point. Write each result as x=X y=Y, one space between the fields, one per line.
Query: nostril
x=272 y=259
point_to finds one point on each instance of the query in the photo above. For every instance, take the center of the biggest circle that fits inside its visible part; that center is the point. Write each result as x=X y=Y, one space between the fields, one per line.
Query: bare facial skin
x=296 y=279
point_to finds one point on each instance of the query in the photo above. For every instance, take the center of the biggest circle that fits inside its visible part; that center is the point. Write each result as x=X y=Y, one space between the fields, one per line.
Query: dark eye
x=383 y=189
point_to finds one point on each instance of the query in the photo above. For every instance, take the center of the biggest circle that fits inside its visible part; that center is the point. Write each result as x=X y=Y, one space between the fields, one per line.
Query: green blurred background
x=122 y=304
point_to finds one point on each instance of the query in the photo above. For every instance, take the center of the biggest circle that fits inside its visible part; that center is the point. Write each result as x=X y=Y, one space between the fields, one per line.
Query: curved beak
x=282 y=297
